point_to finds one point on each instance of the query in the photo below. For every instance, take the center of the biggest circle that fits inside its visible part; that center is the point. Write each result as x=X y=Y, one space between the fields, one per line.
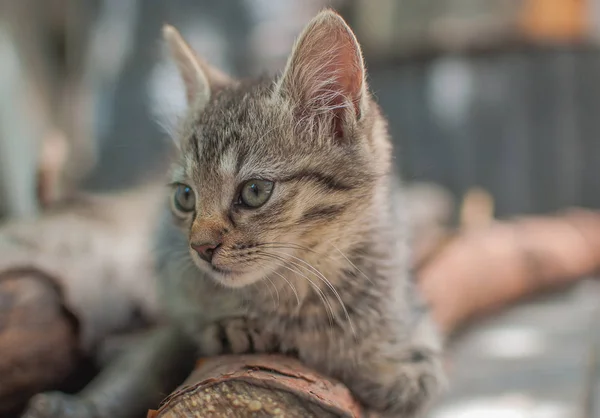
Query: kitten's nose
x=206 y=250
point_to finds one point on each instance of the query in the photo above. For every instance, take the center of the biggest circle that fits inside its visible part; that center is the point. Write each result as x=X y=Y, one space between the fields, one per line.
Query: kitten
x=281 y=235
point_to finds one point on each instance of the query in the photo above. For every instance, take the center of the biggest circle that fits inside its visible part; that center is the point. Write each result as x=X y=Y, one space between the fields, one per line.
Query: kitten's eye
x=184 y=198
x=255 y=193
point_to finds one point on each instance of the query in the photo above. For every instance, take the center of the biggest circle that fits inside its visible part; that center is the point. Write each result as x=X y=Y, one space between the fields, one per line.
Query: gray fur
x=321 y=270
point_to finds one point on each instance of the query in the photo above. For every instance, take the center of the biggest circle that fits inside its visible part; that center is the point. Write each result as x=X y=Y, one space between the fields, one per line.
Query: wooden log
x=483 y=270
x=38 y=338
x=258 y=386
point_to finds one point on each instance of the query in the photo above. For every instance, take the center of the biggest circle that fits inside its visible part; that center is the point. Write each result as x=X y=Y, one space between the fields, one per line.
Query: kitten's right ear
x=325 y=74
x=200 y=79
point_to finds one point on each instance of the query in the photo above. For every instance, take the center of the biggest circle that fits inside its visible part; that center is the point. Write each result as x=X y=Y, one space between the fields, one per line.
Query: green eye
x=255 y=193
x=184 y=198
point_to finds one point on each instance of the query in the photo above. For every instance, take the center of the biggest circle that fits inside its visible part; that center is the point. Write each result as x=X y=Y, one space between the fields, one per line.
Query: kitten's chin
x=228 y=277
x=234 y=279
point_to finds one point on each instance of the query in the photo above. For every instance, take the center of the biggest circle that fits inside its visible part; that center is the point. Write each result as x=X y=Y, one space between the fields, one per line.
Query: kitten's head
x=271 y=170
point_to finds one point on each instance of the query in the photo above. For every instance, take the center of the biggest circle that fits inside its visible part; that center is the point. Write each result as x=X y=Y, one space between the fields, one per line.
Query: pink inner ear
x=326 y=70
x=349 y=65
x=189 y=80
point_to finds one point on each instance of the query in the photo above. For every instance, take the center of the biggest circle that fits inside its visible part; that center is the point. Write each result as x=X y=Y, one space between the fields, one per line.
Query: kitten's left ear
x=325 y=71
x=201 y=79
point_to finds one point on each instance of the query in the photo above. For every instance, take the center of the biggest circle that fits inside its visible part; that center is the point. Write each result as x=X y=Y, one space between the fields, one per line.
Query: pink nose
x=206 y=250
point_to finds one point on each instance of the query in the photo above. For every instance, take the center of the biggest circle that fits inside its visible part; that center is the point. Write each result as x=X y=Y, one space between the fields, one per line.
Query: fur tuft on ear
x=200 y=79
x=325 y=72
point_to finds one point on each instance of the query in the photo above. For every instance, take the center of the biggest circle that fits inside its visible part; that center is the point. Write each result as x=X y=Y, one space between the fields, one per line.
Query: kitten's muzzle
x=206 y=251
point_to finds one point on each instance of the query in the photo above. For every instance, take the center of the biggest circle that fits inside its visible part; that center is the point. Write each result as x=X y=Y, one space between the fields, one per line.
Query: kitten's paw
x=399 y=387
x=225 y=337
x=233 y=336
x=59 y=405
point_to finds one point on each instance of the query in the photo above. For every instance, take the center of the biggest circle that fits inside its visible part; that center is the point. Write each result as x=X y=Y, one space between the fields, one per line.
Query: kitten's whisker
x=283 y=245
x=315 y=271
x=276 y=291
x=351 y=263
x=248 y=260
x=308 y=267
x=289 y=245
x=291 y=286
x=270 y=291
x=317 y=289
x=328 y=284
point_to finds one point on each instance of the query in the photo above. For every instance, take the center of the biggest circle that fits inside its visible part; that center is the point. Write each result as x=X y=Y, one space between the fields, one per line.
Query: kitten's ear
x=325 y=71
x=201 y=80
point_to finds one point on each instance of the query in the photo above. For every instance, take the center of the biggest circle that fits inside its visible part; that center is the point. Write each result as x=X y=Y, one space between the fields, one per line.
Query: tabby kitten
x=281 y=235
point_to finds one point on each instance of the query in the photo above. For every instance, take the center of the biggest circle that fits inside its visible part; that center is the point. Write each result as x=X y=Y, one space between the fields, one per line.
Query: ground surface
x=539 y=359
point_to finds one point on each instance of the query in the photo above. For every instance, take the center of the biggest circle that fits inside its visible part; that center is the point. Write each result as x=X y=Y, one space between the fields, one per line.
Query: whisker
x=283 y=245
x=276 y=291
x=248 y=260
x=351 y=263
x=288 y=245
x=270 y=291
x=318 y=290
x=291 y=286
x=296 y=271
x=301 y=264
x=331 y=287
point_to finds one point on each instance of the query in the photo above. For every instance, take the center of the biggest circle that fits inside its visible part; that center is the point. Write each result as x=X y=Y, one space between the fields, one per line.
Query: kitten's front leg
x=395 y=382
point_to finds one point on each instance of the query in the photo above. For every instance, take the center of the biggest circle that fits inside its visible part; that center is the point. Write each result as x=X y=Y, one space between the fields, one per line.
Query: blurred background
x=498 y=95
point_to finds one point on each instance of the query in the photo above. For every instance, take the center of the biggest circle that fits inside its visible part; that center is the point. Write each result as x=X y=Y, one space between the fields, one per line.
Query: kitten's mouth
x=225 y=272
x=210 y=266
x=229 y=278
